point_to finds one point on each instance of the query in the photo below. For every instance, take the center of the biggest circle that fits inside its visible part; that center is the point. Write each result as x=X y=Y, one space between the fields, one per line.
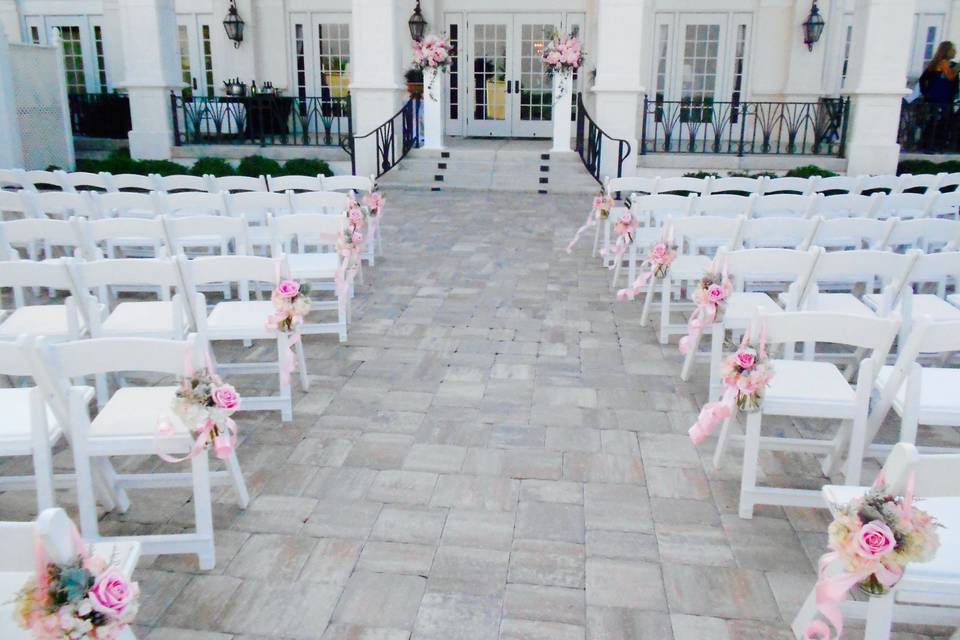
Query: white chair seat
x=689 y=267
x=954 y=299
x=15 y=428
x=133 y=415
x=238 y=315
x=38 y=320
x=839 y=303
x=743 y=305
x=928 y=304
x=147 y=318
x=313 y=265
x=808 y=388
x=939 y=401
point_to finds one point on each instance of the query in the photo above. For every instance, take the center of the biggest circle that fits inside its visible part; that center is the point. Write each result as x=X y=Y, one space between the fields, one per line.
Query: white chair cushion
x=938 y=393
x=150 y=317
x=809 y=383
x=839 y=303
x=313 y=265
x=38 y=320
x=239 y=315
x=136 y=411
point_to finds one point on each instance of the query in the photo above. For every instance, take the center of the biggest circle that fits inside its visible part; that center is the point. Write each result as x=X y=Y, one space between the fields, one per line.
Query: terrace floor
x=499 y=451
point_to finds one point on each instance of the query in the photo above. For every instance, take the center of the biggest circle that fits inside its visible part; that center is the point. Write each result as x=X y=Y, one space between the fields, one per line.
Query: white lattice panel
x=41 y=107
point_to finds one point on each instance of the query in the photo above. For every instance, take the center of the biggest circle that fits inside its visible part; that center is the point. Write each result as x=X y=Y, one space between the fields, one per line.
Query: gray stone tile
x=684 y=512
x=342 y=483
x=458 y=616
x=617 y=507
x=356 y=632
x=480 y=529
x=556 y=564
x=686 y=544
x=271 y=556
x=622 y=545
x=719 y=591
x=551 y=604
x=573 y=439
x=546 y=465
x=551 y=491
x=404 y=487
x=517 y=435
x=332 y=561
x=467 y=570
x=476 y=492
x=767 y=544
x=336 y=519
x=194 y=609
x=169 y=633
x=291 y=610
x=435 y=457
x=276 y=514
x=397 y=599
x=602 y=467
x=416 y=526
x=538 y=630
x=624 y=584
x=686 y=627
x=677 y=483
x=604 y=623
x=396 y=557
x=550 y=521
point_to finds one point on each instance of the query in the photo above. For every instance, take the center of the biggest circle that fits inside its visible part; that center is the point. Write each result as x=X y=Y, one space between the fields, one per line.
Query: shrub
x=917 y=167
x=702 y=174
x=160 y=167
x=90 y=165
x=810 y=170
x=212 y=166
x=256 y=166
x=747 y=174
x=306 y=167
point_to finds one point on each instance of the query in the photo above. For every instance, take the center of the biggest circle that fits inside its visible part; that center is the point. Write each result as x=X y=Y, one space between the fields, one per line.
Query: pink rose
x=746 y=358
x=658 y=252
x=288 y=289
x=716 y=293
x=553 y=58
x=112 y=593
x=874 y=540
x=373 y=200
x=225 y=397
x=356 y=216
x=357 y=237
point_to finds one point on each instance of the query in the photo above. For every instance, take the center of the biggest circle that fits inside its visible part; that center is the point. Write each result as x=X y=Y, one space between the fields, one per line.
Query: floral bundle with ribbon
x=745 y=374
x=352 y=242
x=623 y=229
x=872 y=540
x=602 y=206
x=87 y=597
x=562 y=54
x=204 y=403
x=710 y=297
x=291 y=303
x=656 y=265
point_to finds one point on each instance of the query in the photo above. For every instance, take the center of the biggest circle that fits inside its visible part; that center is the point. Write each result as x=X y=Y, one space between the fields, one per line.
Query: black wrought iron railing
x=745 y=128
x=393 y=139
x=100 y=115
x=591 y=142
x=928 y=127
x=262 y=120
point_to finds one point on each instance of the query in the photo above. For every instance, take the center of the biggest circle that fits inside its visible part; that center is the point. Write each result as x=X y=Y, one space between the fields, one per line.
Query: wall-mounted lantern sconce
x=813 y=26
x=233 y=24
x=417 y=24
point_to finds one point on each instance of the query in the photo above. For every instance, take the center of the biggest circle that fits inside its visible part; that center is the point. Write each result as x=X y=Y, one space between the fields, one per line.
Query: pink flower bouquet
x=291 y=303
x=713 y=291
x=372 y=202
x=660 y=257
x=603 y=205
x=562 y=54
x=84 y=598
x=749 y=372
x=433 y=52
x=205 y=403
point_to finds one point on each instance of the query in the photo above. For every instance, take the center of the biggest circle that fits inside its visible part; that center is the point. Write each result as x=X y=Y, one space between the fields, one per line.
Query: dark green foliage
x=306 y=167
x=747 y=174
x=53 y=167
x=161 y=167
x=917 y=167
x=256 y=166
x=702 y=174
x=217 y=167
x=120 y=162
x=810 y=170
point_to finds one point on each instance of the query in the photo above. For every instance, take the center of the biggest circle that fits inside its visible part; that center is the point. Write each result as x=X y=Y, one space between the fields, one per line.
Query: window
x=35 y=35
x=739 y=56
x=929 y=44
x=73 y=59
x=700 y=53
x=334 y=41
x=183 y=36
x=454 y=94
x=663 y=47
x=101 y=59
x=207 y=59
x=301 y=61
x=489 y=70
x=846 y=55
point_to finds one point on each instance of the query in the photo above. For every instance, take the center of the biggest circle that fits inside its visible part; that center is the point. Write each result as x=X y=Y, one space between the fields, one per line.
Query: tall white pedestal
x=562 y=102
x=432 y=109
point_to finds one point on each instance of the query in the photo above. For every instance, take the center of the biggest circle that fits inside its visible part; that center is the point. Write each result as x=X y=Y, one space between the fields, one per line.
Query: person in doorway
x=938 y=86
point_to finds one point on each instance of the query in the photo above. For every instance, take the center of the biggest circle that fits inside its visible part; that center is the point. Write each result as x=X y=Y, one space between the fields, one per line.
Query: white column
x=375 y=73
x=562 y=101
x=432 y=109
x=882 y=33
x=11 y=146
x=149 y=29
x=617 y=87
x=270 y=30
x=805 y=69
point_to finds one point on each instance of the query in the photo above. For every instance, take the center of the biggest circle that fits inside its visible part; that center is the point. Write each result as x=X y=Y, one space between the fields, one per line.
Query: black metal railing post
x=743 y=127
x=352 y=141
x=643 y=127
x=842 y=147
x=388 y=154
x=590 y=144
x=176 y=120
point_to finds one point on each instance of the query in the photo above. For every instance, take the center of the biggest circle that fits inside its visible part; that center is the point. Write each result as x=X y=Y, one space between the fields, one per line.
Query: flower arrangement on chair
x=710 y=297
x=353 y=238
x=872 y=540
x=602 y=206
x=745 y=375
x=87 y=597
x=562 y=54
x=656 y=265
x=432 y=53
x=204 y=403
x=291 y=303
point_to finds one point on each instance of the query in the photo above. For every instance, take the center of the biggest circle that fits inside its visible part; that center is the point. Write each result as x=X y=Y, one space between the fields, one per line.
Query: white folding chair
x=846 y=205
x=682 y=185
x=15 y=205
x=42 y=180
x=60 y=205
x=694 y=237
x=299 y=184
x=926 y=234
x=128 y=425
x=785 y=269
x=57 y=236
x=83 y=181
x=244 y=320
x=737 y=185
x=14 y=180
x=783 y=205
x=723 y=205
x=810 y=389
x=329 y=202
x=131 y=183
x=360 y=184
x=783 y=233
x=185 y=235
x=633 y=184
x=193 y=203
x=180 y=184
x=879 y=184
x=236 y=184
x=928 y=593
x=319 y=268
x=63 y=321
x=903 y=206
x=122 y=237
x=652 y=211
x=124 y=204
x=946 y=205
x=798 y=186
x=949 y=183
x=836 y=185
x=921 y=183
x=847 y=234
x=256 y=207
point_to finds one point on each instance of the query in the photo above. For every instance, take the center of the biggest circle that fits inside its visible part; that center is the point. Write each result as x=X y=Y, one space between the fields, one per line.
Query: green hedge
x=120 y=162
x=212 y=166
x=306 y=167
x=256 y=166
x=810 y=170
x=927 y=166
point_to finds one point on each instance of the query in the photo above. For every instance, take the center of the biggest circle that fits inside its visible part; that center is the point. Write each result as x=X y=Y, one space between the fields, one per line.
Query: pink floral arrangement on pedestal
x=434 y=53
x=872 y=539
x=204 y=403
x=562 y=54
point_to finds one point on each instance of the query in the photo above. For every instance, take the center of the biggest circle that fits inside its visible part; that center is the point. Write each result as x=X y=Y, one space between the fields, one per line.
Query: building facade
x=643 y=55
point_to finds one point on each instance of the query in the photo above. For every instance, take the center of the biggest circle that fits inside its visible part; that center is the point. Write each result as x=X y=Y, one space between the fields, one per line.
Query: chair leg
x=806 y=614
x=717 y=334
x=831 y=463
x=665 y=291
x=343 y=307
x=42 y=458
x=596 y=239
x=302 y=363
x=118 y=498
x=751 y=461
x=645 y=314
x=616 y=272
x=910 y=419
x=286 y=410
x=203 y=510
x=721 y=443
x=239 y=484
x=688 y=359
x=86 y=499
x=879 y=617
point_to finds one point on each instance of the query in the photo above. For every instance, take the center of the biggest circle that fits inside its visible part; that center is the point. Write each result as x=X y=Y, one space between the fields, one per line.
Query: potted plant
x=414 y=78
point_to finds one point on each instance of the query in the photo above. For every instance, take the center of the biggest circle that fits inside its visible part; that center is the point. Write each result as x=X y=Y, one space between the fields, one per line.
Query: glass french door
x=196 y=54
x=84 y=64
x=926 y=37
x=508 y=91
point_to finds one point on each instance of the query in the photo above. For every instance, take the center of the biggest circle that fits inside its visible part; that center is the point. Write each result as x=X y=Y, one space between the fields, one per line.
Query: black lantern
x=813 y=26
x=233 y=23
x=417 y=24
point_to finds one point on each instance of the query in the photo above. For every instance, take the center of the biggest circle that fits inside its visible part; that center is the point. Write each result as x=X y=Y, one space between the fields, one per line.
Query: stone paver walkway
x=498 y=452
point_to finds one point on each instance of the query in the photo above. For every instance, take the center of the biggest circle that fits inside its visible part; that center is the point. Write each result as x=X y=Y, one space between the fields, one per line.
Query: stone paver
x=499 y=451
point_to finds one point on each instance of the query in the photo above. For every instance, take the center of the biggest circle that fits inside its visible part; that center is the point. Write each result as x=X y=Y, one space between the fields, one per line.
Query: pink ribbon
x=224 y=440
x=636 y=288
x=592 y=218
x=705 y=314
x=712 y=414
x=346 y=271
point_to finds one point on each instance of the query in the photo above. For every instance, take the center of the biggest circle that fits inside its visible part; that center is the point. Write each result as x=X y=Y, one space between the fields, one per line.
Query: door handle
x=508 y=87
x=516 y=86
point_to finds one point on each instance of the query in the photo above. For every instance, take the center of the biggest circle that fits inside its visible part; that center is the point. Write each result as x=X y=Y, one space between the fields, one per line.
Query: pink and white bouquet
x=433 y=52
x=354 y=235
x=204 y=403
x=562 y=54
x=602 y=206
x=712 y=291
x=656 y=265
x=291 y=304
x=372 y=202
x=84 y=598
x=873 y=539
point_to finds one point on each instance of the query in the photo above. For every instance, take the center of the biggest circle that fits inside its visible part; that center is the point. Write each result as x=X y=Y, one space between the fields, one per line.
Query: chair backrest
x=695 y=232
x=845 y=205
x=937 y=268
x=782 y=205
x=848 y=329
x=56 y=532
x=237 y=184
x=14 y=361
x=239 y=270
x=256 y=205
x=80 y=358
x=122 y=204
x=836 y=185
x=43 y=180
x=789 y=266
x=682 y=185
x=903 y=205
x=787 y=233
x=298 y=184
x=920 y=183
x=798 y=186
x=633 y=184
x=119 y=231
x=306 y=228
x=54 y=233
x=14 y=179
x=319 y=202
x=132 y=182
x=657 y=208
x=725 y=205
x=19 y=274
x=867 y=266
x=949 y=182
x=83 y=181
x=181 y=183
x=100 y=275
x=197 y=230
x=853 y=233
x=347 y=183
x=193 y=203
x=946 y=205
x=926 y=234
x=737 y=185
x=933 y=475
x=879 y=184
x=17 y=202
x=60 y=204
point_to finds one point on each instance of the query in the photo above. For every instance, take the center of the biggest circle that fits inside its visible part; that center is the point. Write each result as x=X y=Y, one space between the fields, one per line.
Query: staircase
x=492 y=165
